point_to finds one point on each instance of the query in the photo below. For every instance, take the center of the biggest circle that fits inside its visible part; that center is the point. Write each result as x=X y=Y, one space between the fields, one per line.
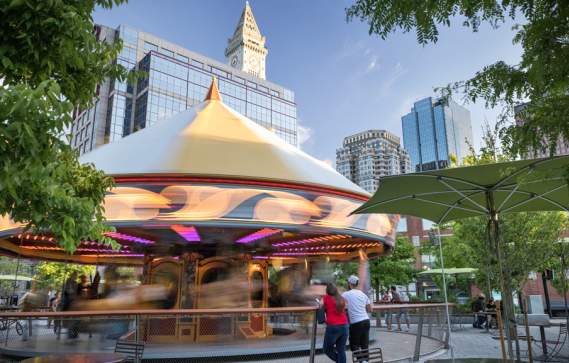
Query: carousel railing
x=206 y=334
x=419 y=319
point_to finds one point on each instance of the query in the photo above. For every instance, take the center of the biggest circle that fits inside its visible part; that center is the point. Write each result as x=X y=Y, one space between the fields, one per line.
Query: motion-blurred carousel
x=210 y=195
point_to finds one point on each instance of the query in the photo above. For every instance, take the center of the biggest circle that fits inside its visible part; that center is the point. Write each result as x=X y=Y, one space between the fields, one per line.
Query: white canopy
x=213 y=140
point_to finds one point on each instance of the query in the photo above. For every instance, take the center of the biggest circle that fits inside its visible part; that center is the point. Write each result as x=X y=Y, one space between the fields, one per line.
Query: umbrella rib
x=564 y=180
x=375 y=204
x=462 y=194
x=539 y=196
x=476 y=186
x=414 y=196
x=509 y=196
x=450 y=206
x=517 y=172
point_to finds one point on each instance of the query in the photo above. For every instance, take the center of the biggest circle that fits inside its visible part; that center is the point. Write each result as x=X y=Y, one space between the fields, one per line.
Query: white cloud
x=398 y=72
x=329 y=162
x=372 y=64
x=304 y=134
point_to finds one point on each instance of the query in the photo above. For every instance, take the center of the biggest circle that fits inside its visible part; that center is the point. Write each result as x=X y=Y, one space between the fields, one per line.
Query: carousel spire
x=213 y=93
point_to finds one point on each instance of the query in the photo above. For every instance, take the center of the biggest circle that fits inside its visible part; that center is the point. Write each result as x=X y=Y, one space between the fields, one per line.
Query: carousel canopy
x=210 y=181
x=214 y=140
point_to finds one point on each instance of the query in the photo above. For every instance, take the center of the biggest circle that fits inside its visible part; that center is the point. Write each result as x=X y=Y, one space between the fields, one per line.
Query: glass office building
x=174 y=80
x=434 y=131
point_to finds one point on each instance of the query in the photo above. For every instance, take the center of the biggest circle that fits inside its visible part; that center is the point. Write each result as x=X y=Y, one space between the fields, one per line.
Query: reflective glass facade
x=433 y=131
x=174 y=80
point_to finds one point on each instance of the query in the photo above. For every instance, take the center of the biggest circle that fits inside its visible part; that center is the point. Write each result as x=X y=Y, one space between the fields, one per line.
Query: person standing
x=359 y=305
x=395 y=299
x=336 y=333
x=403 y=314
x=386 y=299
x=28 y=303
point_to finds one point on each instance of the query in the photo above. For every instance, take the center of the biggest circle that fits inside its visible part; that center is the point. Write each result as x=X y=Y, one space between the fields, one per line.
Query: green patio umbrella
x=477 y=191
x=449 y=271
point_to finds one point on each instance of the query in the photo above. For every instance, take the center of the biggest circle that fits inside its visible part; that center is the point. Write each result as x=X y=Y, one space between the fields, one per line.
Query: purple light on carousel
x=116 y=255
x=311 y=240
x=50 y=248
x=129 y=238
x=190 y=234
x=307 y=253
x=260 y=234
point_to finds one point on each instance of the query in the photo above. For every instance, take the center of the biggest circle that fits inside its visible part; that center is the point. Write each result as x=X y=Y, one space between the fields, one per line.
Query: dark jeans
x=359 y=335
x=479 y=320
x=335 y=342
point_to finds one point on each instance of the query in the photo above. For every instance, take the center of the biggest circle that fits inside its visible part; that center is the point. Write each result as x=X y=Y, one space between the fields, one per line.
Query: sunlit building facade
x=434 y=131
x=176 y=79
x=367 y=156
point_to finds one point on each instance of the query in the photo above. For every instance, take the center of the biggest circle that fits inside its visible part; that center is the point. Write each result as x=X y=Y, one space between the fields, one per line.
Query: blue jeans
x=335 y=340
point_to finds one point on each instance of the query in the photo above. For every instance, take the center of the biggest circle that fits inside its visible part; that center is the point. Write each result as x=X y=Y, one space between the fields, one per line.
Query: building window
x=219 y=72
x=197 y=63
x=182 y=58
x=149 y=46
x=167 y=52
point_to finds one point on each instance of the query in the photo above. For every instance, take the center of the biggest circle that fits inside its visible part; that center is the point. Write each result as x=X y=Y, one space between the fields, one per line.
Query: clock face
x=253 y=62
x=234 y=60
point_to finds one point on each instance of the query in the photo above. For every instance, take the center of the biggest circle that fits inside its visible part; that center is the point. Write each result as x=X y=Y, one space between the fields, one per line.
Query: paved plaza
x=467 y=341
x=397 y=346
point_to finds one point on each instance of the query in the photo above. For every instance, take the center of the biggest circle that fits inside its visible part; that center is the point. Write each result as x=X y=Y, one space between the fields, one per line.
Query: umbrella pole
x=506 y=296
x=445 y=293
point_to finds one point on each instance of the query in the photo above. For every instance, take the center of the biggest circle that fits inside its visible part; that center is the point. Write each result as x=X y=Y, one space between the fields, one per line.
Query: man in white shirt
x=359 y=305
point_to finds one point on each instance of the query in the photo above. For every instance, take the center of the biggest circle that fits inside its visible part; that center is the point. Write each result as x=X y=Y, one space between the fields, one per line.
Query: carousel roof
x=212 y=139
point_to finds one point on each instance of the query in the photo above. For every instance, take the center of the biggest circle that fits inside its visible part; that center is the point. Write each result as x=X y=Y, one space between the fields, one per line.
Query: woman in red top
x=336 y=324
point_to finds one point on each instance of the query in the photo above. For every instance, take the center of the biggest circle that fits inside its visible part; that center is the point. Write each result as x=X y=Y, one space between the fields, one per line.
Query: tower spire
x=246 y=49
x=213 y=93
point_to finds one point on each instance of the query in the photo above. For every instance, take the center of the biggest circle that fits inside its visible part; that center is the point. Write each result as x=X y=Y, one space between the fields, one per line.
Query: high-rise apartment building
x=369 y=155
x=434 y=131
x=176 y=79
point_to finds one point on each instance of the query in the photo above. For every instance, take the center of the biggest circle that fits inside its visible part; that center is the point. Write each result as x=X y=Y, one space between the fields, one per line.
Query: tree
x=52 y=275
x=529 y=245
x=540 y=78
x=51 y=62
x=394 y=269
x=457 y=253
x=528 y=240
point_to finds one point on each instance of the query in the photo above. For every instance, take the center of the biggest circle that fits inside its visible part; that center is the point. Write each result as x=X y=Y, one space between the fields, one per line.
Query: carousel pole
x=17 y=269
x=440 y=242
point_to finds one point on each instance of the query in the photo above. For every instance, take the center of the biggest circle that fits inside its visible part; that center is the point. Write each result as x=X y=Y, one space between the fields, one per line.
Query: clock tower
x=246 y=49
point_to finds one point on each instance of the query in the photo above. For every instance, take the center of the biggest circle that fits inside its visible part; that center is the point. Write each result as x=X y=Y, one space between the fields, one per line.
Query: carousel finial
x=213 y=93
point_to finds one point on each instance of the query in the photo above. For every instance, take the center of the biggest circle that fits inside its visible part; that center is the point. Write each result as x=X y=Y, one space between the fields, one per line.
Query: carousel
x=209 y=193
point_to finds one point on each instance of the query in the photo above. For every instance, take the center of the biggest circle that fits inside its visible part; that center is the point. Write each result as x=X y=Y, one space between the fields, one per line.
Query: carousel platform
x=396 y=347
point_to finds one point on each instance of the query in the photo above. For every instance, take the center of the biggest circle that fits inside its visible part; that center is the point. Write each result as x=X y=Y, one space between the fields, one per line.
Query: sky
x=345 y=81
